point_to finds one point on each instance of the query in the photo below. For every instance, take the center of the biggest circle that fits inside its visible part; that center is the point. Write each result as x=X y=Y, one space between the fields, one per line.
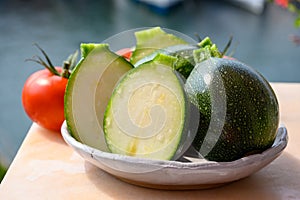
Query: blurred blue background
x=261 y=38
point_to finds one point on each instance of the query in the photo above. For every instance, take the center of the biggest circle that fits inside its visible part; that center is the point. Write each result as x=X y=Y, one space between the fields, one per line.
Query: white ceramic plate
x=197 y=174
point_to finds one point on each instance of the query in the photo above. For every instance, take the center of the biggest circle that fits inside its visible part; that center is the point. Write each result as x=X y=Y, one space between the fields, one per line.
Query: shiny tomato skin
x=43 y=99
x=229 y=57
x=126 y=53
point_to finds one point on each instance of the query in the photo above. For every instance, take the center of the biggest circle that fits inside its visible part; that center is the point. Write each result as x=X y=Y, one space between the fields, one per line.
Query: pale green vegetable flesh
x=145 y=116
x=88 y=91
x=153 y=39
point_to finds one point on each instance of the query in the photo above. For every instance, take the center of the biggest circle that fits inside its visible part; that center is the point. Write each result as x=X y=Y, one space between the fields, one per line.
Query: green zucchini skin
x=248 y=120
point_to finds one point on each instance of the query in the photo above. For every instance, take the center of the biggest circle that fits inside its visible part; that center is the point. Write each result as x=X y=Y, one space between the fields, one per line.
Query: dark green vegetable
x=2 y=172
x=239 y=112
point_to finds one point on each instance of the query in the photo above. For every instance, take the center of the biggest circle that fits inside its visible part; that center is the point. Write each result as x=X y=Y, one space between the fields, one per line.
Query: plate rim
x=162 y=177
x=278 y=146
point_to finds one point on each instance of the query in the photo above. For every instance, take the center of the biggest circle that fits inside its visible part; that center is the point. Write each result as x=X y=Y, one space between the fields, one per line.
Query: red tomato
x=43 y=92
x=229 y=57
x=126 y=53
x=43 y=98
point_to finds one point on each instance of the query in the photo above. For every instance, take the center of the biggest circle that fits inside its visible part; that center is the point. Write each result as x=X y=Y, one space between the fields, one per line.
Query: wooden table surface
x=45 y=167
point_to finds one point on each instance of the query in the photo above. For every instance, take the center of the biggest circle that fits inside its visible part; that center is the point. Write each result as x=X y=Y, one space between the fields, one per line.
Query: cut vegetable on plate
x=187 y=54
x=147 y=113
x=151 y=100
x=153 y=39
x=88 y=91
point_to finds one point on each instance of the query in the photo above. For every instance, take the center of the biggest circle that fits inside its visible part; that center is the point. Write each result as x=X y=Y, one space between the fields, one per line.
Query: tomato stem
x=198 y=37
x=227 y=46
x=68 y=65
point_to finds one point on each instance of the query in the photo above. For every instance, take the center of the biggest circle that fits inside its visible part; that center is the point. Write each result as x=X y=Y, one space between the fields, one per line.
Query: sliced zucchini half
x=151 y=40
x=146 y=115
x=88 y=92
